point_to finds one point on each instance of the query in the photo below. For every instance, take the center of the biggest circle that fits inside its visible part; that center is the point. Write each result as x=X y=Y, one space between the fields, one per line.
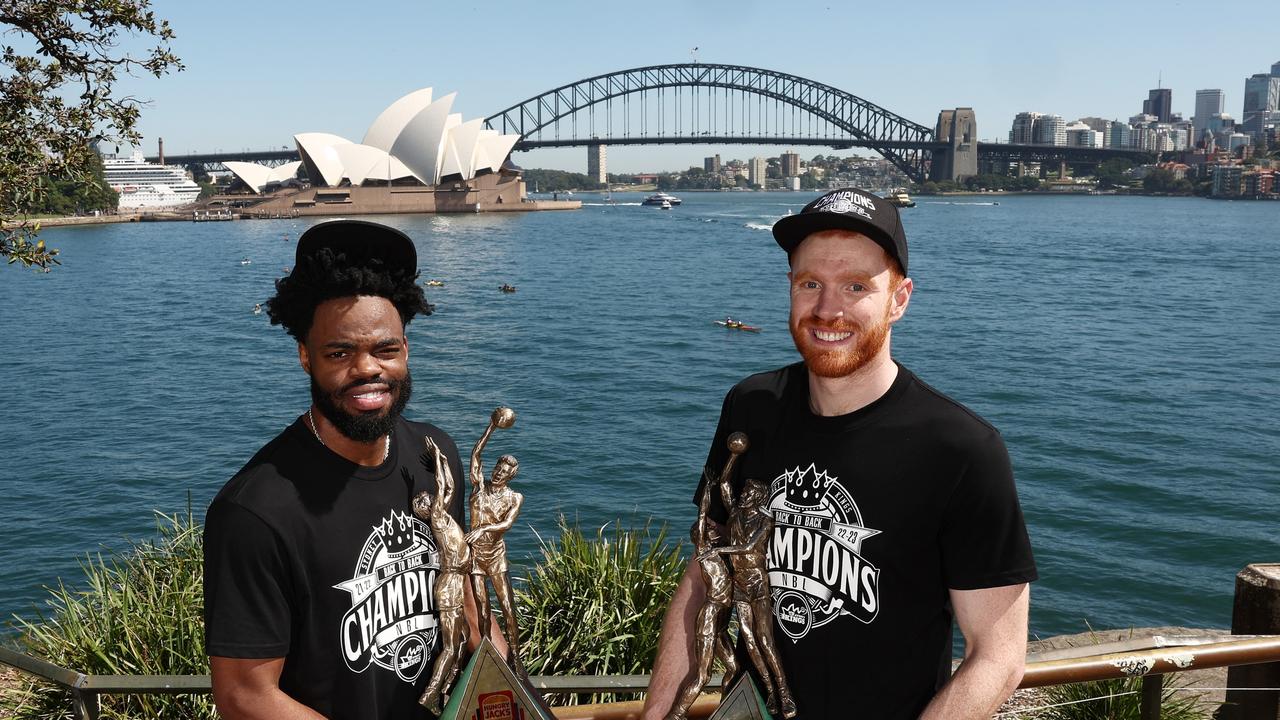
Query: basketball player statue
x=494 y=508
x=455 y=564
x=750 y=526
x=711 y=629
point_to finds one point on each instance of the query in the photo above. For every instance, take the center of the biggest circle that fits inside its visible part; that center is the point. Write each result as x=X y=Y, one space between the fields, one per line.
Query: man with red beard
x=894 y=506
x=318 y=575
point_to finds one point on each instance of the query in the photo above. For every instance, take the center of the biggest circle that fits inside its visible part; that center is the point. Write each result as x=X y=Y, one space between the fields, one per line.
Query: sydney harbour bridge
x=716 y=104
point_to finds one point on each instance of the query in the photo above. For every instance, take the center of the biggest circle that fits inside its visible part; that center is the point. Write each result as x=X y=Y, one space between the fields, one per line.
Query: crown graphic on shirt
x=396 y=532
x=806 y=489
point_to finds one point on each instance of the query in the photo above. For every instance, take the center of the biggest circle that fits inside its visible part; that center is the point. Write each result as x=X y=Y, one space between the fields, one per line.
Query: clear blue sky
x=258 y=72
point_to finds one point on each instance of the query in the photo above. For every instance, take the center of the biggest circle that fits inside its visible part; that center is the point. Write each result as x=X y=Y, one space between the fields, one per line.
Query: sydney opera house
x=417 y=156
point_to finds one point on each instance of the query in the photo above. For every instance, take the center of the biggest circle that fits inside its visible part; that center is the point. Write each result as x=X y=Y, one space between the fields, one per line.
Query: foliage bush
x=594 y=606
x=141 y=613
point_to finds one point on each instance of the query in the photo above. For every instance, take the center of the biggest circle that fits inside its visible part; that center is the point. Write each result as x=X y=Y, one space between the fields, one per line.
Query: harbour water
x=1127 y=348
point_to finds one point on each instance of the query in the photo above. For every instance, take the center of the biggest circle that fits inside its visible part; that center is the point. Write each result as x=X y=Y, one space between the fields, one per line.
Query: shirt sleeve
x=984 y=537
x=247 y=609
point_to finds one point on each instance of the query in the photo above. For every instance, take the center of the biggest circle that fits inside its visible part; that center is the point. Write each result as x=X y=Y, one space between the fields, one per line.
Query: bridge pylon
x=957 y=128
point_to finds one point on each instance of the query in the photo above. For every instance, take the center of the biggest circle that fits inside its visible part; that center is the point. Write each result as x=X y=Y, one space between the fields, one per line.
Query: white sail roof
x=391 y=122
x=258 y=176
x=319 y=149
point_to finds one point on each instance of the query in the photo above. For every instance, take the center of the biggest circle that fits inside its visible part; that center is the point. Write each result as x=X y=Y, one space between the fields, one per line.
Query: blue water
x=1127 y=348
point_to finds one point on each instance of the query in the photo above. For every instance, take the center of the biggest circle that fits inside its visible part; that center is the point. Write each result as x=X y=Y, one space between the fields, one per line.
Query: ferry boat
x=661 y=198
x=146 y=185
x=900 y=198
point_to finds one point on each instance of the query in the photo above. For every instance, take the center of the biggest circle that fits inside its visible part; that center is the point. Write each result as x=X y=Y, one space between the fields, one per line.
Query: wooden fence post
x=1256 y=612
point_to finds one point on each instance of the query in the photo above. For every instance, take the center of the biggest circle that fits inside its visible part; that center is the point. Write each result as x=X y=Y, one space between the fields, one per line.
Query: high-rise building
x=1159 y=102
x=1081 y=135
x=1099 y=125
x=1208 y=104
x=1261 y=97
x=1121 y=134
x=790 y=164
x=596 y=164
x=712 y=164
x=1024 y=128
x=1051 y=130
x=756 y=169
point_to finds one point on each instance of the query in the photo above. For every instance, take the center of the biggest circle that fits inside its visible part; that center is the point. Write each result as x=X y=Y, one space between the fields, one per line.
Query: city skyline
x=258 y=74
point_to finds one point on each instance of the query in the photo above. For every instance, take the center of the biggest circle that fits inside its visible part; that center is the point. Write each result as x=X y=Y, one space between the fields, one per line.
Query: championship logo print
x=816 y=567
x=846 y=202
x=391 y=622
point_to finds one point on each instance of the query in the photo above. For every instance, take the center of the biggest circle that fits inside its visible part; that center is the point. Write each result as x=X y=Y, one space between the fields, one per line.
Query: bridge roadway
x=987 y=152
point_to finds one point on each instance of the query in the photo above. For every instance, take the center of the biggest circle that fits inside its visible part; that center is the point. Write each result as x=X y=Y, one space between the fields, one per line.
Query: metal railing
x=1148 y=658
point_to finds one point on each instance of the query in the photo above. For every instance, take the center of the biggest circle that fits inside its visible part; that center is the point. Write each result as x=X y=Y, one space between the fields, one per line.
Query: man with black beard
x=894 y=506
x=318 y=575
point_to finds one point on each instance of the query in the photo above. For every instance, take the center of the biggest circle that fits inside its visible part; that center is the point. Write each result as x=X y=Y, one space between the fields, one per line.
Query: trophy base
x=742 y=702
x=487 y=689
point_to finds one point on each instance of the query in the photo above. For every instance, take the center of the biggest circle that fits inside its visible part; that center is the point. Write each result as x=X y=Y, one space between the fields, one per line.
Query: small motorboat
x=246 y=261
x=665 y=205
x=434 y=283
x=731 y=324
x=257 y=308
x=506 y=288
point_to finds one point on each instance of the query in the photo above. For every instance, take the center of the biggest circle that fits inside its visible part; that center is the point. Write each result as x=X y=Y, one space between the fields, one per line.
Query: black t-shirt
x=321 y=561
x=877 y=514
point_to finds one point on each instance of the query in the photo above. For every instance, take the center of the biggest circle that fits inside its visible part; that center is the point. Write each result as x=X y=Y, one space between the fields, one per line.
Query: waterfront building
x=1258 y=184
x=1024 y=128
x=597 y=170
x=757 y=171
x=1051 y=130
x=1159 y=102
x=1227 y=179
x=414 y=143
x=712 y=164
x=1208 y=103
x=790 y=164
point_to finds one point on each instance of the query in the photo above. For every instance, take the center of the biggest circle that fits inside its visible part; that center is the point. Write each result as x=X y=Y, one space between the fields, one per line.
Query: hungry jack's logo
x=816 y=567
x=392 y=620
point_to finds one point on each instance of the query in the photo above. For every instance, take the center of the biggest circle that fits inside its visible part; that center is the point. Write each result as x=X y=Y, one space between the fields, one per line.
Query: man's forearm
x=270 y=705
x=976 y=690
x=674 y=663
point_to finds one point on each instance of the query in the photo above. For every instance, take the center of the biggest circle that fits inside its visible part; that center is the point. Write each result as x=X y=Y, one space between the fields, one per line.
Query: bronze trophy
x=455 y=564
x=490 y=686
x=744 y=582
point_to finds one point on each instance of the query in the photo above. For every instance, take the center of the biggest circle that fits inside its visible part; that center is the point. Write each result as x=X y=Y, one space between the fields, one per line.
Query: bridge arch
x=904 y=143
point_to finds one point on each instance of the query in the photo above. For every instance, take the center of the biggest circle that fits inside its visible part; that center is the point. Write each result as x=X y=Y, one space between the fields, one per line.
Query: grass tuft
x=594 y=606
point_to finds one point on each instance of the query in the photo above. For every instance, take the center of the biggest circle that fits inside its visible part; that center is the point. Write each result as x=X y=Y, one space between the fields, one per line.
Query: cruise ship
x=146 y=185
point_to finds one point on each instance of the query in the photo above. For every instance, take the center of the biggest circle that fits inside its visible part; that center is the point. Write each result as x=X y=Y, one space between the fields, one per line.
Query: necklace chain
x=315 y=430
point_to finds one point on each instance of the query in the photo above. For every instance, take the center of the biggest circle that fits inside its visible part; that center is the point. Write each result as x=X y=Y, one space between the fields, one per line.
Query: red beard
x=845 y=360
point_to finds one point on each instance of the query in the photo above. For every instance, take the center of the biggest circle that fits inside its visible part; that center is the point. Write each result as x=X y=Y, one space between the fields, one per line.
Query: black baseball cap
x=847 y=209
x=360 y=241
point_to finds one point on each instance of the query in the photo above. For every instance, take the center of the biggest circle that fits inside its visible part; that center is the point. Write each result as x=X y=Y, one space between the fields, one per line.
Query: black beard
x=365 y=427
